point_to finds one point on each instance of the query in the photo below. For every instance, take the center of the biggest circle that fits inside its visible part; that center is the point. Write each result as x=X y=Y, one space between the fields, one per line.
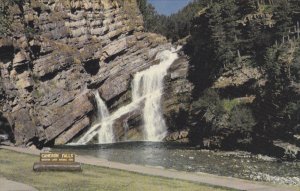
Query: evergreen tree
x=283 y=18
x=175 y=26
x=279 y=103
x=242 y=120
x=247 y=6
x=224 y=32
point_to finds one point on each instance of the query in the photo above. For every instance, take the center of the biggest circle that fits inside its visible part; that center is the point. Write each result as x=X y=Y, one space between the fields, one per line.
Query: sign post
x=57 y=162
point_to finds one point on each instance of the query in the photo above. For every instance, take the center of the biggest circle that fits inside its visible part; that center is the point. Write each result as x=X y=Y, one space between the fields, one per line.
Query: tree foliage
x=175 y=26
x=242 y=120
x=279 y=100
x=230 y=34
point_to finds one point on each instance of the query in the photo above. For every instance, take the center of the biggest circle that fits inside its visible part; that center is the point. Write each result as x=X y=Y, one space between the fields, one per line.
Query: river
x=186 y=157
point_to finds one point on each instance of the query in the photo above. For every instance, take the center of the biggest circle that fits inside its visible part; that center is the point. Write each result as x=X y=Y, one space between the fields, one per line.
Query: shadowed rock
x=74 y=47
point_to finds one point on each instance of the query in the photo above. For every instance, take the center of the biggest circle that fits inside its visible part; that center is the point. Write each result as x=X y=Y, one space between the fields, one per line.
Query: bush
x=210 y=111
x=221 y=116
x=242 y=119
x=229 y=104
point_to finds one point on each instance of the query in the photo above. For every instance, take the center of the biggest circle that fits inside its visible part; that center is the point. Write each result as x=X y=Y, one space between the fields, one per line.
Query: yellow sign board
x=57 y=157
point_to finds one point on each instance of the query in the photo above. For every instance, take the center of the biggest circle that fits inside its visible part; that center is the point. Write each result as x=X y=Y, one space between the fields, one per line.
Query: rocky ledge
x=60 y=51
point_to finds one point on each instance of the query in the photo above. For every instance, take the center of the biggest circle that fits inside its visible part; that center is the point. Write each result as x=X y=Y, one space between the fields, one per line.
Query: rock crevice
x=60 y=51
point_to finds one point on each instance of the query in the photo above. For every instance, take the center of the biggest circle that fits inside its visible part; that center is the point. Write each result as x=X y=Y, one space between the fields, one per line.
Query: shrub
x=241 y=119
x=230 y=104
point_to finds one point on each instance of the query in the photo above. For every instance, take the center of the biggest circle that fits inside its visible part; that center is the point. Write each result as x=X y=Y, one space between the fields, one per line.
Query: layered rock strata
x=62 y=50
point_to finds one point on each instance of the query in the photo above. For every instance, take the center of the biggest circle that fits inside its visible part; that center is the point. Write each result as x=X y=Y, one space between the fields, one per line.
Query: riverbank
x=141 y=180
x=18 y=167
x=187 y=158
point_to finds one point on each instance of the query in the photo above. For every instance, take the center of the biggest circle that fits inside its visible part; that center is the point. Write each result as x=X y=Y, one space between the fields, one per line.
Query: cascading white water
x=105 y=133
x=147 y=86
x=126 y=127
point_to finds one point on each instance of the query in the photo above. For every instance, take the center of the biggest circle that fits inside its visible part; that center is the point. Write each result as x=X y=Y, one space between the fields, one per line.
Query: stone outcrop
x=178 y=136
x=288 y=151
x=60 y=51
x=177 y=99
x=240 y=76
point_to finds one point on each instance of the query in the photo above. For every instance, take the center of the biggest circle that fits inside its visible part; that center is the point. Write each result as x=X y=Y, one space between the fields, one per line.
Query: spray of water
x=147 y=87
x=103 y=127
x=149 y=84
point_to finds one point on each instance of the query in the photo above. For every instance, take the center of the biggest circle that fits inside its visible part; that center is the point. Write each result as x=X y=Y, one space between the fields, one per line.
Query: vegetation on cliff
x=227 y=39
x=235 y=34
x=243 y=61
x=174 y=27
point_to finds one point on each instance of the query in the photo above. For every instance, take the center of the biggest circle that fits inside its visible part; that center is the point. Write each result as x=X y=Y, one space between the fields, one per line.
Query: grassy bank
x=18 y=167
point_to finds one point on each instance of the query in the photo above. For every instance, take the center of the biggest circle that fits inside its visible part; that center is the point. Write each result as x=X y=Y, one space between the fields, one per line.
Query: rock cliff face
x=62 y=50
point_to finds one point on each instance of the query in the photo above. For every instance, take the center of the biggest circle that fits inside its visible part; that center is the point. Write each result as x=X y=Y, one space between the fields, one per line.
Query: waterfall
x=103 y=127
x=126 y=127
x=149 y=84
x=147 y=87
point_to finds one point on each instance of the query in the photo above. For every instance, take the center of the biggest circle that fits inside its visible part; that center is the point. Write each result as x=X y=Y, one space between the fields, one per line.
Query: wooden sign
x=57 y=162
x=57 y=157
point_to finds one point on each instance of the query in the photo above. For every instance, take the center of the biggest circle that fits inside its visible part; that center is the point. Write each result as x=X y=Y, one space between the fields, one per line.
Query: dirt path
x=8 y=185
x=202 y=178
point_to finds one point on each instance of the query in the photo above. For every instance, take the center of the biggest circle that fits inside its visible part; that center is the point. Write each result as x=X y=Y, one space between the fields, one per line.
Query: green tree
x=242 y=120
x=247 y=6
x=224 y=36
x=278 y=109
x=283 y=18
x=149 y=14
x=175 y=26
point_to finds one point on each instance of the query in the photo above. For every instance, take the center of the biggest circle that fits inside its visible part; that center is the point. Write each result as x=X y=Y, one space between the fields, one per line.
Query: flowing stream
x=147 y=87
x=189 y=158
x=105 y=133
